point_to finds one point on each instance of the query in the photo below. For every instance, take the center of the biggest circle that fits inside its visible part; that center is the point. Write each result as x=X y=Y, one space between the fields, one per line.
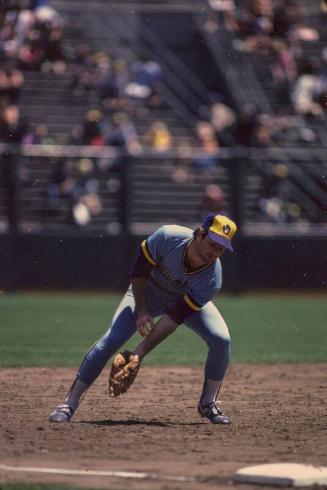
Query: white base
x=283 y=474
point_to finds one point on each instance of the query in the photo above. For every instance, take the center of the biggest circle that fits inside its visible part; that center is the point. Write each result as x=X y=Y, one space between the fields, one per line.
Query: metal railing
x=181 y=89
x=267 y=191
x=239 y=75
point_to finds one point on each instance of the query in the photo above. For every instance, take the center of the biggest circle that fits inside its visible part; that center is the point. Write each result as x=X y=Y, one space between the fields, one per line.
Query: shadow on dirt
x=149 y=423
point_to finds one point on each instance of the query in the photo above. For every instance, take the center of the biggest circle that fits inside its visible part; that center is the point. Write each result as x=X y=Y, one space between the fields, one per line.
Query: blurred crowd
x=276 y=30
x=74 y=186
x=276 y=34
x=113 y=80
x=31 y=33
x=121 y=91
x=31 y=39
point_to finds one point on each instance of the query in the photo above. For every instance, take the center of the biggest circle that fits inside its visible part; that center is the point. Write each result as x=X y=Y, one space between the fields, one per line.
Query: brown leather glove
x=124 y=369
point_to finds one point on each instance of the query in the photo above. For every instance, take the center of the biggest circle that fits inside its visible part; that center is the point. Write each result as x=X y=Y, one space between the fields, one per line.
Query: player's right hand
x=144 y=324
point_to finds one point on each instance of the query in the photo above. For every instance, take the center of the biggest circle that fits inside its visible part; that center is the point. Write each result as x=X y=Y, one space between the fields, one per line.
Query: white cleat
x=62 y=413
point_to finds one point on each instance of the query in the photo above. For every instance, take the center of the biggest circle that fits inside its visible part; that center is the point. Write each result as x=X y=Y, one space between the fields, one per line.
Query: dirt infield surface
x=278 y=415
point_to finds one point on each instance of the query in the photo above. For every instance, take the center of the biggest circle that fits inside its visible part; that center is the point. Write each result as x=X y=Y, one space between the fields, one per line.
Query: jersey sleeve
x=149 y=254
x=153 y=247
x=141 y=267
x=193 y=301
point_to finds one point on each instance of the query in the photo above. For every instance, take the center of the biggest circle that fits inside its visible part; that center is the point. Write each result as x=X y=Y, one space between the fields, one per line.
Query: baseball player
x=175 y=277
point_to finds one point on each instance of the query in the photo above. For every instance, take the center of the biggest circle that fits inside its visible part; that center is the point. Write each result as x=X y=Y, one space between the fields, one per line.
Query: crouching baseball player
x=175 y=277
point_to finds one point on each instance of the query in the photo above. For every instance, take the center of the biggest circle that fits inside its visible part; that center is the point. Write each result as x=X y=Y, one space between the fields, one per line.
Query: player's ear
x=200 y=233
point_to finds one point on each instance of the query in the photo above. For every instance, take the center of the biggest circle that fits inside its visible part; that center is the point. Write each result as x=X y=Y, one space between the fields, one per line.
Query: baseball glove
x=124 y=369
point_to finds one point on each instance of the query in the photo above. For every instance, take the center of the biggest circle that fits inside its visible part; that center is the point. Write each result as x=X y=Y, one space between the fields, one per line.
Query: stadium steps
x=262 y=67
x=156 y=197
x=115 y=31
x=47 y=99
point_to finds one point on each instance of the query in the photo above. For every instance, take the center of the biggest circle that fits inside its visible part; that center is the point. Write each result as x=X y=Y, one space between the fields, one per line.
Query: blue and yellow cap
x=220 y=229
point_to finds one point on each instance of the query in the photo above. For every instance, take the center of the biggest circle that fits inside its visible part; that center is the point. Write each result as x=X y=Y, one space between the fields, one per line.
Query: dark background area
x=86 y=262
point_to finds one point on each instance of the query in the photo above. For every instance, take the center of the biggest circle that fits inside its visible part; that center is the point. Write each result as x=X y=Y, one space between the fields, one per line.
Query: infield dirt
x=278 y=415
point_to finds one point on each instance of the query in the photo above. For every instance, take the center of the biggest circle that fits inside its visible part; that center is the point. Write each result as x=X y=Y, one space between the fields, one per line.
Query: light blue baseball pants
x=207 y=323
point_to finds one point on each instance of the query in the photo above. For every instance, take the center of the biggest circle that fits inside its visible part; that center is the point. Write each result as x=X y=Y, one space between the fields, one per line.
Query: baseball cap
x=220 y=229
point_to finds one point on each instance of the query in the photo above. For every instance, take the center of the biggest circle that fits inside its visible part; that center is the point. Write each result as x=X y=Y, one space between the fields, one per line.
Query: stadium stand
x=269 y=46
x=169 y=142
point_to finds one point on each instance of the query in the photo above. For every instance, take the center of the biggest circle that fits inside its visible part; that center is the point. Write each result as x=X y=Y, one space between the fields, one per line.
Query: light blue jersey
x=166 y=251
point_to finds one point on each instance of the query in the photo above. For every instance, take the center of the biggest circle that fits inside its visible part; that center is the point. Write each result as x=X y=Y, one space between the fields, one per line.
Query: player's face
x=208 y=249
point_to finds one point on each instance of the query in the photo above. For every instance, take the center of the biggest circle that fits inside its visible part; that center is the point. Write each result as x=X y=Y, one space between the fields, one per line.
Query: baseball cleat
x=213 y=412
x=62 y=413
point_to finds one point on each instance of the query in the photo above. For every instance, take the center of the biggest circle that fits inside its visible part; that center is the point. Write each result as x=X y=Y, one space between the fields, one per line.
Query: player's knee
x=110 y=343
x=220 y=344
x=104 y=347
x=99 y=349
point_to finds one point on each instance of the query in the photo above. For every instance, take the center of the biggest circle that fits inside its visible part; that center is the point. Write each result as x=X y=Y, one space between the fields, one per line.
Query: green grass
x=57 y=329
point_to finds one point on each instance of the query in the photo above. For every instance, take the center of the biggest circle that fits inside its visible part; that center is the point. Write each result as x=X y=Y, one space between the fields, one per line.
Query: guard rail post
x=127 y=162
x=10 y=173
x=236 y=174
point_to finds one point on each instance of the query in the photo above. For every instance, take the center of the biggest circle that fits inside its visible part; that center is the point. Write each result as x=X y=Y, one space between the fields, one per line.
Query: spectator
x=55 y=57
x=39 y=136
x=159 y=137
x=283 y=69
x=121 y=75
x=255 y=26
x=82 y=61
x=11 y=81
x=99 y=73
x=76 y=135
x=31 y=54
x=146 y=75
x=87 y=201
x=243 y=129
x=114 y=135
x=33 y=37
x=206 y=159
x=286 y=14
x=222 y=119
x=12 y=130
x=181 y=171
x=62 y=184
x=323 y=80
x=74 y=187
x=93 y=128
x=307 y=90
x=12 y=127
x=212 y=200
x=121 y=132
x=277 y=203
x=105 y=82
x=225 y=10
x=111 y=80
x=261 y=136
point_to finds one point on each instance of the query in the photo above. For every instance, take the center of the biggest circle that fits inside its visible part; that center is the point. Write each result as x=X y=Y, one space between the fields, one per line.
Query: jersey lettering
x=167 y=275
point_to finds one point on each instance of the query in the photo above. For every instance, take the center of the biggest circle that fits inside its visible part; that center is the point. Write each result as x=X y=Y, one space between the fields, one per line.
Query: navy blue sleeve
x=183 y=308
x=142 y=267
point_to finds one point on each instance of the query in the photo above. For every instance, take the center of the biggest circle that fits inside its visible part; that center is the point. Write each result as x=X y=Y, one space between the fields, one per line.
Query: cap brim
x=220 y=240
